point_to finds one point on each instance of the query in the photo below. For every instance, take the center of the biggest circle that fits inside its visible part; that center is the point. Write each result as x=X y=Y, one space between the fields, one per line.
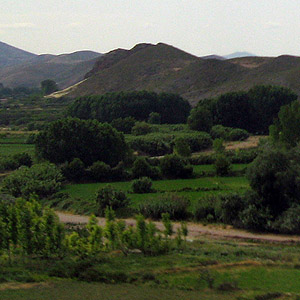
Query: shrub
x=41 y=179
x=181 y=147
x=154 y=118
x=274 y=177
x=289 y=221
x=237 y=134
x=231 y=206
x=198 y=141
x=110 y=197
x=205 y=209
x=218 y=145
x=172 y=166
x=222 y=165
x=31 y=138
x=13 y=162
x=150 y=145
x=123 y=124
x=228 y=133
x=202 y=159
x=175 y=205
x=255 y=216
x=142 y=185
x=99 y=171
x=73 y=171
x=142 y=168
x=141 y=128
x=200 y=119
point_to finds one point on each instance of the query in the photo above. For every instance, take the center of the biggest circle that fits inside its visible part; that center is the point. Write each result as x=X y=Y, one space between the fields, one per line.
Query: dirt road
x=197 y=230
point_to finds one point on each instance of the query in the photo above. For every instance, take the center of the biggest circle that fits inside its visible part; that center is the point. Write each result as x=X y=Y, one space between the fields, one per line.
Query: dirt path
x=197 y=230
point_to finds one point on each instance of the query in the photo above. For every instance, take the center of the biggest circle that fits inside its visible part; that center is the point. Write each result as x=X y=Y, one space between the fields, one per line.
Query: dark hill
x=10 y=56
x=65 y=69
x=163 y=68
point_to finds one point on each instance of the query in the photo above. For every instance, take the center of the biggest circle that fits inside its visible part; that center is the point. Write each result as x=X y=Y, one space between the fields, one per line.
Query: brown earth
x=197 y=230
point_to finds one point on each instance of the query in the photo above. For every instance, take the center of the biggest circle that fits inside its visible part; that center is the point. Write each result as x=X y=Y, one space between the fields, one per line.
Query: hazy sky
x=201 y=27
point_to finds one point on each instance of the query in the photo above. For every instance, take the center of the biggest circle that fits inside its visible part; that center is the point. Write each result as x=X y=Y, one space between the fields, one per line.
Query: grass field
x=8 y=149
x=238 y=270
x=216 y=184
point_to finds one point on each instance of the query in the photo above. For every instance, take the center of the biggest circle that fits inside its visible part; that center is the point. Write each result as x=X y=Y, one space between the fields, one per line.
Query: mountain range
x=163 y=68
x=159 y=68
x=21 y=68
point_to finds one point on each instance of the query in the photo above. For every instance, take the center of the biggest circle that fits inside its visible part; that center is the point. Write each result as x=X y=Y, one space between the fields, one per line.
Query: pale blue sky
x=201 y=27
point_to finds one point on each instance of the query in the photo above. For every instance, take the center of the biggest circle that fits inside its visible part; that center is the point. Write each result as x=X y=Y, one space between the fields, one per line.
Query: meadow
x=237 y=270
x=15 y=142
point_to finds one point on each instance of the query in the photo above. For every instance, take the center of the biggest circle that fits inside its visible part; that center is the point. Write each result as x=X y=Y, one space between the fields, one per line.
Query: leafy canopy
x=88 y=140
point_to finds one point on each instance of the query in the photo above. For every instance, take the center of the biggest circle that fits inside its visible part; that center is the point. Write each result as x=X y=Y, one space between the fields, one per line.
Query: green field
x=8 y=149
x=248 y=270
x=212 y=184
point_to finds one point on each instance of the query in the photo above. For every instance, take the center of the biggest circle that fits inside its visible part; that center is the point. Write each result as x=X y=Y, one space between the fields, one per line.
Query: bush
x=237 y=134
x=289 y=221
x=13 y=162
x=231 y=206
x=110 y=197
x=274 y=177
x=41 y=179
x=175 y=205
x=202 y=159
x=73 y=171
x=150 y=145
x=228 y=133
x=222 y=165
x=255 y=216
x=197 y=141
x=154 y=118
x=123 y=124
x=200 y=119
x=172 y=166
x=205 y=210
x=141 y=128
x=142 y=185
x=181 y=147
x=141 y=168
x=99 y=171
x=31 y=139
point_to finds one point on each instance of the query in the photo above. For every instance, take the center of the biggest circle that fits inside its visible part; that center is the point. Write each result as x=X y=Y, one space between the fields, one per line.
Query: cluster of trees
x=17 y=92
x=26 y=226
x=87 y=140
x=140 y=105
x=272 y=204
x=253 y=111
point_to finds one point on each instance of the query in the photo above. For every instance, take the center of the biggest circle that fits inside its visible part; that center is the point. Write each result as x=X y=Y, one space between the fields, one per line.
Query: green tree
x=110 y=197
x=49 y=86
x=286 y=130
x=182 y=147
x=273 y=176
x=154 y=118
x=200 y=119
x=89 y=141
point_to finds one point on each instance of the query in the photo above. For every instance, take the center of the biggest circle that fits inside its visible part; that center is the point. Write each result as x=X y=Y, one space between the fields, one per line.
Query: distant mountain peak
x=239 y=54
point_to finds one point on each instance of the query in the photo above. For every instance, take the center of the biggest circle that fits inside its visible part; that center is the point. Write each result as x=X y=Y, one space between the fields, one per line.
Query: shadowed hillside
x=10 y=56
x=65 y=69
x=163 y=68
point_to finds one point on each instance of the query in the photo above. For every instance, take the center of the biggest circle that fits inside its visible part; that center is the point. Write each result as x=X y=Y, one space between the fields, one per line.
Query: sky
x=200 y=27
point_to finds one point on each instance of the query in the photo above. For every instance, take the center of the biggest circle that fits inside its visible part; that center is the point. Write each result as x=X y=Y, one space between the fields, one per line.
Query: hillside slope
x=163 y=68
x=10 y=56
x=65 y=69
